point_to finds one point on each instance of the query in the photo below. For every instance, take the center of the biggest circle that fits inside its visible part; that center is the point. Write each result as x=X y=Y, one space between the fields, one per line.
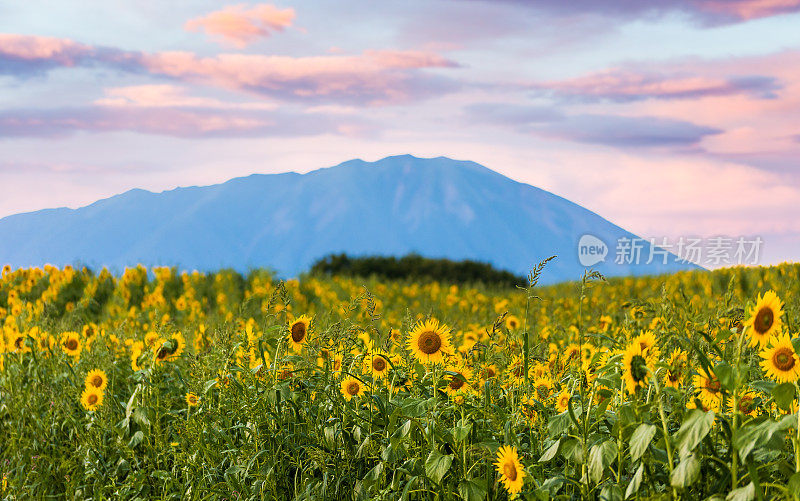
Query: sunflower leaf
x=687 y=472
x=784 y=395
x=600 y=457
x=472 y=490
x=641 y=439
x=693 y=430
x=436 y=465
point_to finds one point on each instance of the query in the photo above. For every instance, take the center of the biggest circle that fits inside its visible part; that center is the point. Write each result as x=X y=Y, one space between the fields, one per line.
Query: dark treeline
x=415 y=267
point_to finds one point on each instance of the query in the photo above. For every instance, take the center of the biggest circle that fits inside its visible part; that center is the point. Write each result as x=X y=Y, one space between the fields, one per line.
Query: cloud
x=169 y=96
x=510 y=114
x=622 y=85
x=239 y=26
x=176 y=121
x=374 y=77
x=708 y=12
x=626 y=132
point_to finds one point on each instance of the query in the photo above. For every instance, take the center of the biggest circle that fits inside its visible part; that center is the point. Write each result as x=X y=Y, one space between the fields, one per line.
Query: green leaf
x=693 y=430
x=472 y=490
x=601 y=456
x=611 y=492
x=559 y=424
x=686 y=473
x=796 y=344
x=784 y=395
x=571 y=450
x=724 y=373
x=436 y=465
x=551 y=451
x=136 y=439
x=746 y=493
x=641 y=439
x=636 y=482
x=461 y=431
x=759 y=434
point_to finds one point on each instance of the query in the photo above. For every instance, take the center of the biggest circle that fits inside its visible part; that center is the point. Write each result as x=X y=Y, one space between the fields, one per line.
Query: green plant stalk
x=735 y=423
x=665 y=430
x=797 y=436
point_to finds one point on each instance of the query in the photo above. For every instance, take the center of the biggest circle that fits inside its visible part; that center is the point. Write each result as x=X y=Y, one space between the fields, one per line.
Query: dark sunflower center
x=638 y=368
x=513 y=324
x=783 y=359
x=89 y=332
x=352 y=388
x=378 y=364
x=298 y=332
x=97 y=381
x=764 y=320
x=456 y=382
x=674 y=375
x=543 y=391
x=746 y=405
x=429 y=342
x=510 y=471
x=713 y=385
x=92 y=399
x=488 y=372
x=71 y=344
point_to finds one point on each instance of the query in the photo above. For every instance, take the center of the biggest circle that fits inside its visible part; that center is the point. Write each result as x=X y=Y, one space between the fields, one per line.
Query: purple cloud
x=709 y=12
x=626 y=132
x=621 y=85
x=184 y=122
x=510 y=114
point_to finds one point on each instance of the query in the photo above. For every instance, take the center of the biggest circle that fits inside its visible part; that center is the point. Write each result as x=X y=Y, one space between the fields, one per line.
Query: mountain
x=436 y=207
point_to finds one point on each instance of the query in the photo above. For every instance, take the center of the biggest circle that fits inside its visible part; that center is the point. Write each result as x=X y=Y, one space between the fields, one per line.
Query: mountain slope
x=437 y=207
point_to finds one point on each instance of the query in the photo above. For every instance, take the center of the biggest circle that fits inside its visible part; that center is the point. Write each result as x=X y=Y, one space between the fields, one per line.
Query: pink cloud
x=169 y=96
x=374 y=77
x=749 y=9
x=239 y=26
x=631 y=84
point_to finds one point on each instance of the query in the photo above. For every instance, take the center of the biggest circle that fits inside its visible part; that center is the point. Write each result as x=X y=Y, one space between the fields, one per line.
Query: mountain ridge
x=436 y=207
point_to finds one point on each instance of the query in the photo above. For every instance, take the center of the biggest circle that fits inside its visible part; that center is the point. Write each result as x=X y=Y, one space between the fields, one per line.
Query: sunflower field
x=164 y=385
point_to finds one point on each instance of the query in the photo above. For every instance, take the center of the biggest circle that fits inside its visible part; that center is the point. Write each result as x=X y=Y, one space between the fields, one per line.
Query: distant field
x=160 y=385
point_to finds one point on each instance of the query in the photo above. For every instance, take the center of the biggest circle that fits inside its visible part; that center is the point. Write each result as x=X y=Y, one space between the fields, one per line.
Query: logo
x=591 y=250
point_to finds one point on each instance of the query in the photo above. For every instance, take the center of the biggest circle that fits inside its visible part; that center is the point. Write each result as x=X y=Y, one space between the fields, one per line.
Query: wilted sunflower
x=92 y=398
x=96 y=378
x=512 y=474
x=636 y=366
x=562 y=400
x=192 y=400
x=709 y=387
x=429 y=341
x=71 y=343
x=765 y=319
x=298 y=332
x=351 y=387
x=376 y=364
x=780 y=362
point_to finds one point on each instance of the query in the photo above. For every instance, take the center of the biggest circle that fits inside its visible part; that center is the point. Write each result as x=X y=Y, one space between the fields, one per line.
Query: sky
x=671 y=118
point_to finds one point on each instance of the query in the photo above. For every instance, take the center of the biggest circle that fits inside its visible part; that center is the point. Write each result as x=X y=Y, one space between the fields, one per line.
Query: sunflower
x=516 y=370
x=765 y=319
x=512 y=474
x=71 y=343
x=636 y=366
x=351 y=387
x=647 y=342
x=376 y=364
x=543 y=387
x=512 y=323
x=460 y=381
x=298 y=332
x=572 y=352
x=709 y=387
x=562 y=401
x=428 y=341
x=89 y=330
x=96 y=378
x=677 y=369
x=780 y=361
x=192 y=400
x=487 y=373
x=92 y=398
x=604 y=324
x=746 y=404
x=528 y=410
